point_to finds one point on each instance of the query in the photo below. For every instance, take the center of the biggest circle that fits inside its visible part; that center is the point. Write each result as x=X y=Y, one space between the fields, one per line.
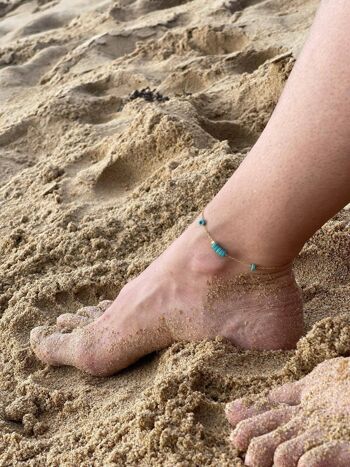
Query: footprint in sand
x=239 y=5
x=45 y=22
x=130 y=10
x=30 y=72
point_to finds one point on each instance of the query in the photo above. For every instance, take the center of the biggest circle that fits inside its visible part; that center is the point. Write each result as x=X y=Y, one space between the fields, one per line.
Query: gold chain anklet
x=220 y=251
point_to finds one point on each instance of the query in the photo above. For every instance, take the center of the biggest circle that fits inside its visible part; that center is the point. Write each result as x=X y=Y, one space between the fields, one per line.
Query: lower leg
x=297 y=175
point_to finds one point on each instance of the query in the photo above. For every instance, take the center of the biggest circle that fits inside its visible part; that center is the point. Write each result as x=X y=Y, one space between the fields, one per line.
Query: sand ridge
x=95 y=185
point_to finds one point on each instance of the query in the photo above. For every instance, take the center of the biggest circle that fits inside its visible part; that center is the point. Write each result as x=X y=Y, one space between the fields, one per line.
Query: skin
x=295 y=426
x=274 y=202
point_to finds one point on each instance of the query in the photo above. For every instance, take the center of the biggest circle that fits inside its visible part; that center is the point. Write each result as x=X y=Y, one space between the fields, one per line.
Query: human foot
x=188 y=293
x=308 y=426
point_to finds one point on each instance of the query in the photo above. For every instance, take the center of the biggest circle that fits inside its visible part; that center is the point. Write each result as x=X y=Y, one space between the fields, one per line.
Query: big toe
x=54 y=348
x=332 y=454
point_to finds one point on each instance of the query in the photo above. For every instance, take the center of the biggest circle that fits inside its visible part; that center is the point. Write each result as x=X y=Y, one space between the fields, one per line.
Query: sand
x=95 y=185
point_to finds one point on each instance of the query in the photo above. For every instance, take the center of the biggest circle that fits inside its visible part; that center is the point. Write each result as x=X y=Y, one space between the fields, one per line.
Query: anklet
x=220 y=251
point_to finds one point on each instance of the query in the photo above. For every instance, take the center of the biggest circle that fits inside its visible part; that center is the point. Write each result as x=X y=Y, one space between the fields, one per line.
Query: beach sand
x=95 y=185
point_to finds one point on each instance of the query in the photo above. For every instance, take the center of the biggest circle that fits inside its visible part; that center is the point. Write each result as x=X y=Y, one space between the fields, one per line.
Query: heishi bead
x=253 y=267
x=218 y=249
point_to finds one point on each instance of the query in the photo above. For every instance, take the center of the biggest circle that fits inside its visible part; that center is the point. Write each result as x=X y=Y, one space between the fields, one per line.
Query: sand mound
x=95 y=185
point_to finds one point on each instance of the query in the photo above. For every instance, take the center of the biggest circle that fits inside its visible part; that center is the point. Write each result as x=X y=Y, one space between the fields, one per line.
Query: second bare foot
x=307 y=426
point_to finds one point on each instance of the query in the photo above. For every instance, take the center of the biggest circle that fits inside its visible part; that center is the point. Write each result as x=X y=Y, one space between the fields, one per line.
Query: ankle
x=246 y=243
x=200 y=259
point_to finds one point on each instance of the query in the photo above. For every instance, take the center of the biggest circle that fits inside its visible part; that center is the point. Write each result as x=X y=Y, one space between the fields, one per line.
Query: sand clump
x=95 y=185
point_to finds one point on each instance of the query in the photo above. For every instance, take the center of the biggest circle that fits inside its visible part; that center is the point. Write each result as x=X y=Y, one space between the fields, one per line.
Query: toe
x=104 y=305
x=262 y=449
x=250 y=428
x=71 y=321
x=289 y=393
x=288 y=453
x=55 y=348
x=240 y=409
x=90 y=312
x=332 y=454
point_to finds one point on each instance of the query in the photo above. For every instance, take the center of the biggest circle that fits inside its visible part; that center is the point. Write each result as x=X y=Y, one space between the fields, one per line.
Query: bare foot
x=309 y=425
x=188 y=293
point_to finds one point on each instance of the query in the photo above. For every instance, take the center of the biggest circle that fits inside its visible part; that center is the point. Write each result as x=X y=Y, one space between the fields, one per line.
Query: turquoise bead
x=202 y=221
x=218 y=249
x=253 y=267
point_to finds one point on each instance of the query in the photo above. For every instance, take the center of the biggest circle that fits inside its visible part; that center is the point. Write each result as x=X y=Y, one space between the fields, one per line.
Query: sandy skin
x=308 y=425
x=175 y=299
